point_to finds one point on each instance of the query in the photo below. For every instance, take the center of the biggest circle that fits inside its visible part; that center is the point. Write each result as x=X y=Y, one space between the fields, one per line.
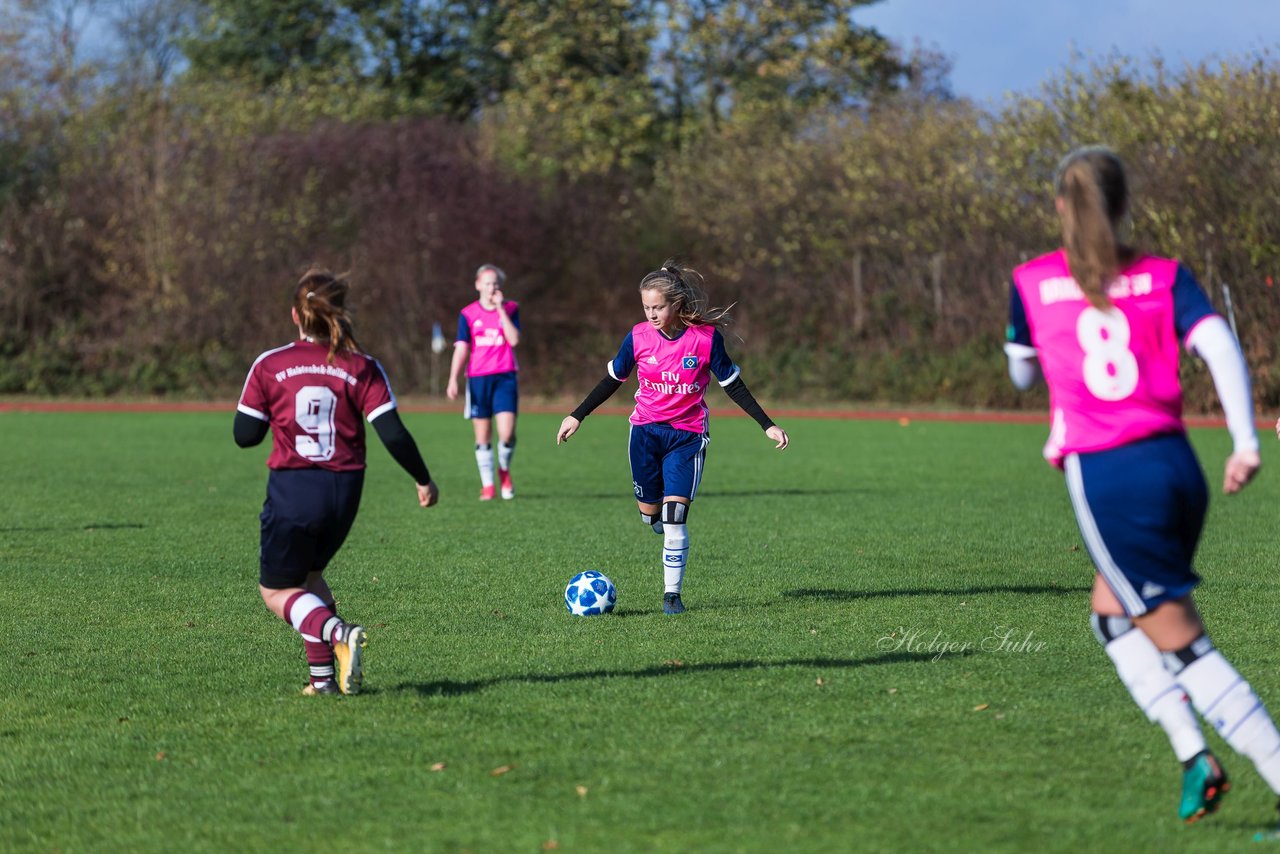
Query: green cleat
x=1203 y=785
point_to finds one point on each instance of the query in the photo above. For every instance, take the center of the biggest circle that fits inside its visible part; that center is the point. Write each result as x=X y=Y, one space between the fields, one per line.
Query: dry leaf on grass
x=982 y=707
x=502 y=769
x=438 y=766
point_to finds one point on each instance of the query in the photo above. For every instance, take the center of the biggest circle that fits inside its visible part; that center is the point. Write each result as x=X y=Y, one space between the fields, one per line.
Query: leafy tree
x=436 y=57
x=442 y=56
x=720 y=59
x=269 y=40
x=580 y=100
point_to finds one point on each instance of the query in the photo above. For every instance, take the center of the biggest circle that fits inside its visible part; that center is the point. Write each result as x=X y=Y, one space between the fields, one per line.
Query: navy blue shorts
x=666 y=461
x=305 y=520
x=492 y=393
x=1141 y=508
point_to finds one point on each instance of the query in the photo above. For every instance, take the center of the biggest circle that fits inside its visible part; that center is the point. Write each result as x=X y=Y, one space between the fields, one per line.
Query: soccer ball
x=590 y=593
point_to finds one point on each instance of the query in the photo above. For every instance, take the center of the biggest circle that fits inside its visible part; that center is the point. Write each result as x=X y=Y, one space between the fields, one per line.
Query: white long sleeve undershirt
x=1213 y=342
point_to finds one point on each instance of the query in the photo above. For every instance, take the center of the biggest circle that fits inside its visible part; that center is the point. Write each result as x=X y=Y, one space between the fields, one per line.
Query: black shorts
x=305 y=520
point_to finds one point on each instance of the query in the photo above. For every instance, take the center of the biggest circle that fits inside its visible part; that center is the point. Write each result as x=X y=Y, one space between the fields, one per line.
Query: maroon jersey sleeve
x=376 y=394
x=253 y=397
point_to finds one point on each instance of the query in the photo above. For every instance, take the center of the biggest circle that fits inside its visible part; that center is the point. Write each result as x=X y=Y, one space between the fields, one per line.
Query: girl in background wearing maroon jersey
x=313 y=396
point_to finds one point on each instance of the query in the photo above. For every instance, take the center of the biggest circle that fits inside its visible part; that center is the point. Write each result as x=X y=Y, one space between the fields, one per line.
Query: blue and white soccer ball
x=590 y=593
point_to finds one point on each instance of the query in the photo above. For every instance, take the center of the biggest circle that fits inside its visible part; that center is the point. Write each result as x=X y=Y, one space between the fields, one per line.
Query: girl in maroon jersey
x=312 y=394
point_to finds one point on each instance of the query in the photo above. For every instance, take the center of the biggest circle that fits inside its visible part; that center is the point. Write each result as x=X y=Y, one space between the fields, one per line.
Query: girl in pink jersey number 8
x=675 y=352
x=1103 y=327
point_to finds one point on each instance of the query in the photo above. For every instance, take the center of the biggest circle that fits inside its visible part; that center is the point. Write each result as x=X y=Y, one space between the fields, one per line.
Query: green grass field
x=836 y=685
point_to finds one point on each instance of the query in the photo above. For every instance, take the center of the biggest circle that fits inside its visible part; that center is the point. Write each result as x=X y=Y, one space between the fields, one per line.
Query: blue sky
x=1000 y=46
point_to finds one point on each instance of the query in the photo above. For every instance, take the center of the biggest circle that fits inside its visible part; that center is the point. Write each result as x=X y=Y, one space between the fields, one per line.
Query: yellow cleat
x=348 y=650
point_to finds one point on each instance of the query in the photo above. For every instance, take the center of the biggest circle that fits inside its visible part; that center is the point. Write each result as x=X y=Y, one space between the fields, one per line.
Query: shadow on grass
x=90 y=526
x=453 y=688
x=752 y=493
x=850 y=595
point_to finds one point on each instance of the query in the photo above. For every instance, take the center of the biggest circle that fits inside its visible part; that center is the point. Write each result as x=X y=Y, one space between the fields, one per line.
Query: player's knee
x=1107 y=629
x=675 y=531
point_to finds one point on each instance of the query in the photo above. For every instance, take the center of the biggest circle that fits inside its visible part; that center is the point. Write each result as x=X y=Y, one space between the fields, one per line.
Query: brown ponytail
x=1094 y=194
x=320 y=300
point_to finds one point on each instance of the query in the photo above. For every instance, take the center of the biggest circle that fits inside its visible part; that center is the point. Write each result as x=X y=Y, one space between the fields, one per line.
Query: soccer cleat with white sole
x=508 y=488
x=348 y=651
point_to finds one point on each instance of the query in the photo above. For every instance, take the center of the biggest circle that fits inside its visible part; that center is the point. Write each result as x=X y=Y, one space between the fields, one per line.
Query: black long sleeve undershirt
x=598 y=395
x=736 y=390
x=401 y=446
x=741 y=395
x=249 y=431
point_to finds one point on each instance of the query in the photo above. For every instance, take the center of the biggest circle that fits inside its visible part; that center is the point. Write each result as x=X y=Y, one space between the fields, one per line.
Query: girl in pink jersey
x=675 y=352
x=488 y=332
x=1103 y=323
x=312 y=394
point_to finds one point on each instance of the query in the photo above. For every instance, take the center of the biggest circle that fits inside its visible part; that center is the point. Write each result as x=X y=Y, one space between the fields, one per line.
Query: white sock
x=504 y=455
x=1141 y=668
x=1229 y=703
x=484 y=461
x=675 y=554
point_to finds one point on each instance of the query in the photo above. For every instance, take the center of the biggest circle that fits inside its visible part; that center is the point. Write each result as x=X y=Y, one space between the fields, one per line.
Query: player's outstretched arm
x=461 y=350
x=598 y=395
x=1213 y=341
x=741 y=395
x=404 y=450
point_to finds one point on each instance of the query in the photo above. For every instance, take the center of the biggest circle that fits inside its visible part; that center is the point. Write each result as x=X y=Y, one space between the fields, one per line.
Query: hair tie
x=310 y=294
